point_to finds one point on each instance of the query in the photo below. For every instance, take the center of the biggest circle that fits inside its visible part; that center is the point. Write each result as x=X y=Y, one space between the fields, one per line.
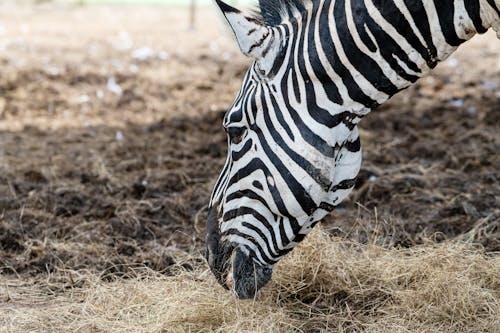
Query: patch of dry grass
x=325 y=284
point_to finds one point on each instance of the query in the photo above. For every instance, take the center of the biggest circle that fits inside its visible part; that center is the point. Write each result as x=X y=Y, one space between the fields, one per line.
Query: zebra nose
x=233 y=268
x=245 y=276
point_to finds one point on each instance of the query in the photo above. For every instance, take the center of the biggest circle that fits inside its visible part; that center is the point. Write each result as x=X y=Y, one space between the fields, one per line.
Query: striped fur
x=320 y=67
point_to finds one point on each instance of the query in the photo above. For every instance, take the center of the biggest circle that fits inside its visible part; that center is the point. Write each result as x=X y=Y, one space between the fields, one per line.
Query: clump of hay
x=325 y=284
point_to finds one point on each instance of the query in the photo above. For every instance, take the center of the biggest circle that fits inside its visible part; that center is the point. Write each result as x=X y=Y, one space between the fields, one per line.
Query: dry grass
x=326 y=284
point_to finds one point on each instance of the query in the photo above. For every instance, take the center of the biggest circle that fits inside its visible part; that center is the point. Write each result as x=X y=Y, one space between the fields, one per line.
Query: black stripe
x=445 y=11
x=326 y=206
x=249 y=194
x=474 y=11
x=299 y=237
x=226 y=8
x=304 y=164
x=223 y=175
x=422 y=23
x=280 y=57
x=494 y=6
x=236 y=116
x=257 y=184
x=291 y=62
x=240 y=211
x=353 y=146
x=284 y=237
x=355 y=92
x=359 y=20
x=309 y=136
x=233 y=231
x=236 y=155
x=394 y=16
x=249 y=102
x=298 y=191
x=257 y=164
x=319 y=70
x=253 y=105
x=266 y=241
x=344 y=185
x=369 y=68
x=251 y=254
x=268 y=47
x=259 y=42
x=281 y=119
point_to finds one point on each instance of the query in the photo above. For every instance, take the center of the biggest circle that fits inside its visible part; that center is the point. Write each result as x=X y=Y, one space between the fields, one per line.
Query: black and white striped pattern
x=320 y=67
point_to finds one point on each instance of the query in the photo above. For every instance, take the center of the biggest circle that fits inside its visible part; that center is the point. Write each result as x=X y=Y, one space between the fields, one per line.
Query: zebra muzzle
x=233 y=268
x=245 y=277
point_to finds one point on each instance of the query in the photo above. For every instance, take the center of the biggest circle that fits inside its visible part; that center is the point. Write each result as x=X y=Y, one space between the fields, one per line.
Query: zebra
x=294 y=150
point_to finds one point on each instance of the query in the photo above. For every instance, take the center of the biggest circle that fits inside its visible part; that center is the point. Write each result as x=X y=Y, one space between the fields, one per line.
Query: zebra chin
x=233 y=268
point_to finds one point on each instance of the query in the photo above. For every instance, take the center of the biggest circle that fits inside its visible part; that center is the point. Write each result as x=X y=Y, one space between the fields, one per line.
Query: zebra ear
x=254 y=37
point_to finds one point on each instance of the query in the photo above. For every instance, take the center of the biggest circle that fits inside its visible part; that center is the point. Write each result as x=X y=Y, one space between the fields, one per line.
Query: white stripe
x=443 y=48
x=222 y=182
x=406 y=13
x=243 y=241
x=255 y=236
x=360 y=80
x=349 y=104
x=463 y=24
x=285 y=221
x=376 y=56
x=320 y=94
x=412 y=54
x=489 y=16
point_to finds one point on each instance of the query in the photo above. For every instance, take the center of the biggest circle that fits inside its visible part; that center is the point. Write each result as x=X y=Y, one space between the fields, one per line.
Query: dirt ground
x=111 y=140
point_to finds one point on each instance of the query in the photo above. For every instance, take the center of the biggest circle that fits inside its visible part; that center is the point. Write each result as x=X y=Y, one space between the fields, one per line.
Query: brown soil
x=98 y=181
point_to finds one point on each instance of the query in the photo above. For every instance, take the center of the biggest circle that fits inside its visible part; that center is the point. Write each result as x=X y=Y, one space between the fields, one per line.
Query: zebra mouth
x=233 y=269
x=245 y=277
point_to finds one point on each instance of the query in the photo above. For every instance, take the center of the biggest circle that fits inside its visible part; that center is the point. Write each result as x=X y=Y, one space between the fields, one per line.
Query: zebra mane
x=275 y=12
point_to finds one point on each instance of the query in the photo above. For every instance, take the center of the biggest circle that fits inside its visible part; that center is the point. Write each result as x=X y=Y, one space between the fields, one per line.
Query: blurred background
x=120 y=41
x=111 y=139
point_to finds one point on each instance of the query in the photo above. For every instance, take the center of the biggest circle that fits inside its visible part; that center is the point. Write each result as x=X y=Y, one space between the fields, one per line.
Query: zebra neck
x=349 y=56
x=453 y=22
x=376 y=48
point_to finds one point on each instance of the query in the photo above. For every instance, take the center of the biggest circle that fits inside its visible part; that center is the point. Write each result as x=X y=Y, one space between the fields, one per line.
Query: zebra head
x=294 y=154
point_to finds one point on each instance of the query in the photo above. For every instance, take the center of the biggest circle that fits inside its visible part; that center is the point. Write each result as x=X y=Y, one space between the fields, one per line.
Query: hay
x=325 y=284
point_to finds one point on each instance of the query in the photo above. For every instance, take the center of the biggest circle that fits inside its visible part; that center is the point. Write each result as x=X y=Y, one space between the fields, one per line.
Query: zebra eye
x=236 y=134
